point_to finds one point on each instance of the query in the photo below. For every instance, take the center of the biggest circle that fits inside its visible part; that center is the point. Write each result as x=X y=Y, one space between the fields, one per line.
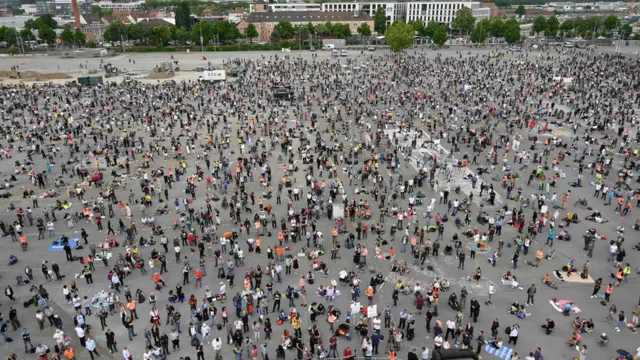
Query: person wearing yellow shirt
x=626 y=271
x=297 y=323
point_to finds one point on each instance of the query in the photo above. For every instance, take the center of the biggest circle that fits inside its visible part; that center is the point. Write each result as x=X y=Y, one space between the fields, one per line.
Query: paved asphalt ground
x=531 y=336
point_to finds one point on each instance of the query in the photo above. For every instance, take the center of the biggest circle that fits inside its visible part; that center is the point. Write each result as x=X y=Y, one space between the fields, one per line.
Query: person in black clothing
x=200 y=352
x=111 y=341
x=276 y=301
x=549 y=326
x=56 y=270
x=412 y=354
x=164 y=342
x=495 y=326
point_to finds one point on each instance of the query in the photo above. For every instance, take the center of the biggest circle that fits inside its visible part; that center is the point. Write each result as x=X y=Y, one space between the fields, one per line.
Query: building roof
x=306 y=16
x=91 y=19
x=155 y=22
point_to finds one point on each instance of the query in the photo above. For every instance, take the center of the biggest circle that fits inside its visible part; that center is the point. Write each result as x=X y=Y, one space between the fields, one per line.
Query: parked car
x=312 y=49
x=371 y=48
x=343 y=53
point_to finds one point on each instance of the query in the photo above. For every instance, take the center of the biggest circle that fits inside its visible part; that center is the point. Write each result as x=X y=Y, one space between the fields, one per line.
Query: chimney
x=76 y=12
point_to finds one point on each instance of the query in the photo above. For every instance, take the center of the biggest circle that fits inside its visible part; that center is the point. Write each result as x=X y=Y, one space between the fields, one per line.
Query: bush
x=91 y=44
x=12 y=51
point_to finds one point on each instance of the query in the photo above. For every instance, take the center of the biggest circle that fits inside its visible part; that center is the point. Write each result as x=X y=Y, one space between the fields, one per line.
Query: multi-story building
x=127 y=6
x=443 y=11
x=393 y=10
x=275 y=7
x=265 y=22
x=56 y=7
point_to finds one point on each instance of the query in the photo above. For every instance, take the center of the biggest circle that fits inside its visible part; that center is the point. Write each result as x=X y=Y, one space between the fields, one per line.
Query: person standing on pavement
x=90 y=345
x=531 y=291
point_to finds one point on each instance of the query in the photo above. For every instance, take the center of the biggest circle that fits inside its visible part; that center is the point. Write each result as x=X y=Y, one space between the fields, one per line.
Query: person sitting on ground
x=497 y=344
x=13 y=259
x=568 y=308
x=604 y=339
x=549 y=326
x=575 y=339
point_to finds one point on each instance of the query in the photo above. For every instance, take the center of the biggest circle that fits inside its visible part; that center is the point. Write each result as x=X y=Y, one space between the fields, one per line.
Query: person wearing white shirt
x=91 y=347
x=80 y=333
x=217 y=344
x=513 y=335
x=147 y=355
x=437 y=342
x=377 y=323
x=205 y=331
x=425 y=353
x=58 y=336
x=126 y=355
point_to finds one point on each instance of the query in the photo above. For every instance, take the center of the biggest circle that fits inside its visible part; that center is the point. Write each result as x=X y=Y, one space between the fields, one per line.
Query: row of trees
x=593 y=26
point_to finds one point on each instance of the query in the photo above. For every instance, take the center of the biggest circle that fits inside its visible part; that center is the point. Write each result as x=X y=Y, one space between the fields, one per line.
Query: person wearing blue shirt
x=26 y=338
x=552 y=235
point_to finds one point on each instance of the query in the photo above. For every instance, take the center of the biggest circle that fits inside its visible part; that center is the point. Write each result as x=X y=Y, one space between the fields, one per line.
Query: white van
x=568 y=44
x=329 y=47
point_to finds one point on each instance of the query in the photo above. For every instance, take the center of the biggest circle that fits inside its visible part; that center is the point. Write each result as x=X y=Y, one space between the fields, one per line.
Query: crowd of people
x=383 y=153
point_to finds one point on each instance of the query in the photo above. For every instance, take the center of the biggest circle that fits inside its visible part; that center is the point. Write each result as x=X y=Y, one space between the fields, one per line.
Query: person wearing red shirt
x=347 y=354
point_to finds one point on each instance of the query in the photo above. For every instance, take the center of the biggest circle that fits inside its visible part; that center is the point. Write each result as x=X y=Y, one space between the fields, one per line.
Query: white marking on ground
x=420 y=154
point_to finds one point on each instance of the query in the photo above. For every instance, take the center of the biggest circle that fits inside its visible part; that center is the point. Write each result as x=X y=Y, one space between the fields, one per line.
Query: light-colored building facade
x=276 y=7
x=393 y=10
x=265 y=22
x=130 y=6
x=443 y=11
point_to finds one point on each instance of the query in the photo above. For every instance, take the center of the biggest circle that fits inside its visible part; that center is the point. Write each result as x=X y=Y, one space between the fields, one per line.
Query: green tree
x=180 y=35
x=97 y=10
x=207 y=32
x=418 y=27
x=276 y=37
x=183 y=15
x=440 y=36
x=464 y=20
x=566 y=28
x=364 y=30
x=302 y=32
x=91 y=45
x=340 y=31
x=496 y=29
x=67 y=36
x=380 y=21
x=625 y=31
x=16 y=11
x=511 y=31
x=226 y=31
x=399 y=36
x=115 y=32
x=46 y=34
x=161 y=35
x=45 y=19
x=137 y=32
x=481 y=31
x=520 y=10
x=431 y=28
x=251 y=32
x=79 y=38
x=285 y=29
x=311 y=28
x=611 y=22
x=594 y=23
x=322 y=30
x=27 y=35
x=552 y=27
x=539 y=25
